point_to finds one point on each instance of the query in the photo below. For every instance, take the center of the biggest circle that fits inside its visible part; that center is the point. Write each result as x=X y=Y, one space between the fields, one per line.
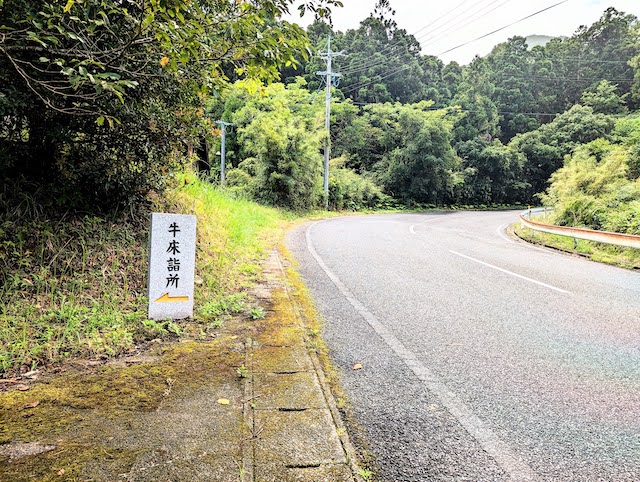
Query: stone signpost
x=172 y=259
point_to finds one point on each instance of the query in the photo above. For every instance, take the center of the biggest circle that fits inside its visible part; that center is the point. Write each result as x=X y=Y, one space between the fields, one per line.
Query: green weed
x=365 y=474
x=242 y=371
x=75 y=285
x=257 y=313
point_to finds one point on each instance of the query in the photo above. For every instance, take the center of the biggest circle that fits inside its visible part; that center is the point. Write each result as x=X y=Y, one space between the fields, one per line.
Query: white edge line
x=501 y=232
x=487 y=438
x=432 y=219
x=412 y=228
x=522 y=243
x=560 y=290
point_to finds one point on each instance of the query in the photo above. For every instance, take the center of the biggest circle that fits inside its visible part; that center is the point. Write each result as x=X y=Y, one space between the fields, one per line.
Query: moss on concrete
x=80 y=409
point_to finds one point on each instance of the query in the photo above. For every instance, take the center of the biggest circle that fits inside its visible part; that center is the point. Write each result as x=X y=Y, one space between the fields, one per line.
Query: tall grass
x=233 y=235
x=75 y=285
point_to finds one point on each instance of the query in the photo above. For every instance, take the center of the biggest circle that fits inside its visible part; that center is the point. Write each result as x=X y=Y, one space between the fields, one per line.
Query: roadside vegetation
x=74 y=284
x=598 y=188
x=105 y=108
x=628 y=258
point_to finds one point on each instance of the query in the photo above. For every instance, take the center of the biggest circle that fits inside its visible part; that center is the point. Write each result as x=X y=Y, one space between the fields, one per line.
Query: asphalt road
x=483 y=358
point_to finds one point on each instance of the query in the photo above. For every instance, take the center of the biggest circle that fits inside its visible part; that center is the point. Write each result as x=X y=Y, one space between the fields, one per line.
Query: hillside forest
x=101 y=104
x=410 y=130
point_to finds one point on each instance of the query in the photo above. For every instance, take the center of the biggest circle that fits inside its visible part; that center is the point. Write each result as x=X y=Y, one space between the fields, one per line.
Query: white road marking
x=501 y=233
x=560 y=290
x=517 y=469
x=412 y=228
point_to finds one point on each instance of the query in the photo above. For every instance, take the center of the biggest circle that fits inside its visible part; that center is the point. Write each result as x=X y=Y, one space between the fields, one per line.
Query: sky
x=444 y=24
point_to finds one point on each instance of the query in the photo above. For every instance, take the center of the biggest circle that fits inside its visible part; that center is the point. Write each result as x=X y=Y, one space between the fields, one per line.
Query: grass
x=618 y=256
x=75 y=285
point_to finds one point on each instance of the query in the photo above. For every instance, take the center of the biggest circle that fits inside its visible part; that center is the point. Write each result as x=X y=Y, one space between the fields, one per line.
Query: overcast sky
x=443 y=24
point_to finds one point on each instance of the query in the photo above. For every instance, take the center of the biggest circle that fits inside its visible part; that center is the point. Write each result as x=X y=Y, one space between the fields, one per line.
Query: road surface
x=483 y=358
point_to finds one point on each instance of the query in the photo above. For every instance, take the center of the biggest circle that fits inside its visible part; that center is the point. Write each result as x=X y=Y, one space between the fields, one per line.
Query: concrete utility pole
x=331 y=80
x=223 y=126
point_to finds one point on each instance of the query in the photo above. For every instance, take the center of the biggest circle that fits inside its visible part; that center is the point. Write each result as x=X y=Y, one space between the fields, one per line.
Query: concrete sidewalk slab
x=183 y=411
x=289 y=391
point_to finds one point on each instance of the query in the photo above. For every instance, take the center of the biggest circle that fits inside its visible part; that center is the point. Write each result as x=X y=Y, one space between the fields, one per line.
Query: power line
x=441 y=35
x=461 y=45
x=535 y=78
x=505 y=27
x=396 y=49
x=475 y=111
x=391 y=48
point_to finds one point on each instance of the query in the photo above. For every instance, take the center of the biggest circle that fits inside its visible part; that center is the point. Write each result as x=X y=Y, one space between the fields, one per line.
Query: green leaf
x=100 y=120
x=148 y=20
x=68 y=6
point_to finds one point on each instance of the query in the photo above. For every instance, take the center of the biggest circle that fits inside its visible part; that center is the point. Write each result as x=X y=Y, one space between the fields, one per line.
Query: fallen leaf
x=223 y=401
x=357 y=366
x=23 y=388
x=61 y=472
x=30 y=405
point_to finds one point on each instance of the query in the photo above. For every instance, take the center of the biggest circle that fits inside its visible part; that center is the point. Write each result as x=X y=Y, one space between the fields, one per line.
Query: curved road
x=483 y=358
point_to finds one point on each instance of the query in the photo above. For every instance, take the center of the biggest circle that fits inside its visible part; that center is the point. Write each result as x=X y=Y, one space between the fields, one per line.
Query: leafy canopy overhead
x=72 y=54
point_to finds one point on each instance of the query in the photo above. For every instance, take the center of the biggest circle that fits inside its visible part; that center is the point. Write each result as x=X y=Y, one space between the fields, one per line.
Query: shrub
x=350 y=191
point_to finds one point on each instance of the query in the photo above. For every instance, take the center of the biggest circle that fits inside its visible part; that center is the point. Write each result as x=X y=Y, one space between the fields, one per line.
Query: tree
x=593 y=190
x=492 y=173
x=384 y=62
x=510 y=68
x=545 y=148
x=89 y=72
x=604 y=99
x=593 y=54
x=421 y=166
x=278 y=131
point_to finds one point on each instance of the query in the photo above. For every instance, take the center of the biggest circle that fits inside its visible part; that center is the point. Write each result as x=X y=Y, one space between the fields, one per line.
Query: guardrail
x=618 y=239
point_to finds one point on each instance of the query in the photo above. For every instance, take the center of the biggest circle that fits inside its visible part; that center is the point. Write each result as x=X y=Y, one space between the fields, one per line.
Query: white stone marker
x=172 y=261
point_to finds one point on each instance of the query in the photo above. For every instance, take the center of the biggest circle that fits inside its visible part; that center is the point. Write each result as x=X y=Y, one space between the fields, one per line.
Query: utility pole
x=331 y=79
x=223 y=126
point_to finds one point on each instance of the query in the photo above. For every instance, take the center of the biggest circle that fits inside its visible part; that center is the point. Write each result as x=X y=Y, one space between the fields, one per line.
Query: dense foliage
x=275 y=152
x=106 y=98
x=599 y=185
x=512 y=116
x=103 y=97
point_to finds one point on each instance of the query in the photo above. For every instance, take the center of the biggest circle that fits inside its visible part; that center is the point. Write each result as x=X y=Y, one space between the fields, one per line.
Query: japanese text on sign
x=171 y=266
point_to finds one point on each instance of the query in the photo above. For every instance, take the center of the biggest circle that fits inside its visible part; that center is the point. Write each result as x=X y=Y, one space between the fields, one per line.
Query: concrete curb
x=341 y=429
x=297 y=433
